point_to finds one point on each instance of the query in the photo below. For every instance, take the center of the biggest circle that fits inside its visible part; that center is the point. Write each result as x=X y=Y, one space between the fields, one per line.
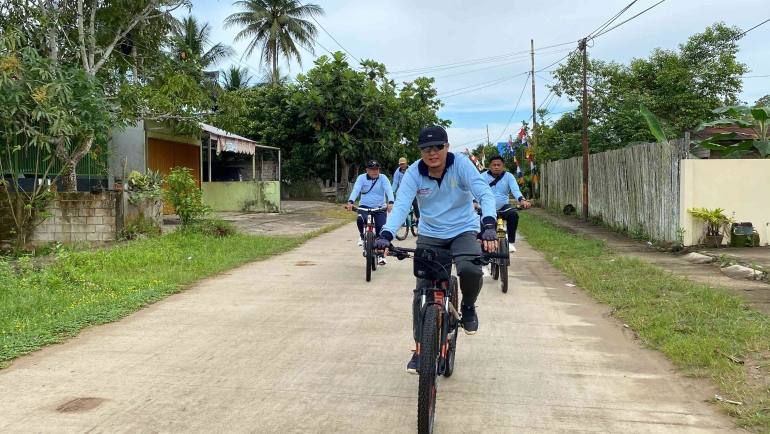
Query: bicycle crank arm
x=454 y=311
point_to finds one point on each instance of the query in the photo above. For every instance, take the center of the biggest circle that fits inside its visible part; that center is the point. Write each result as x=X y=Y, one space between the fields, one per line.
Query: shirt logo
x=424 y=191
x=454 y=183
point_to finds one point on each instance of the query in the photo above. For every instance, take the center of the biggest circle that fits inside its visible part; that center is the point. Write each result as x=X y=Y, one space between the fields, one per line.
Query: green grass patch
x=338 y=213
x=686 y=321
x=48 y=305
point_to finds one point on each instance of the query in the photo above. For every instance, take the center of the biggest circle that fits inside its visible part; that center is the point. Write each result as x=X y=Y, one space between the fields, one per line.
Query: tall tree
x=193 y=40
x=277 y=27
x=236 y=78
x=680 y=86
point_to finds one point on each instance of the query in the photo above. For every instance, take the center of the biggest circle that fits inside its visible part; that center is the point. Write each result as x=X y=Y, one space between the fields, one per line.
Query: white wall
x=738 y=186
x=128 y=143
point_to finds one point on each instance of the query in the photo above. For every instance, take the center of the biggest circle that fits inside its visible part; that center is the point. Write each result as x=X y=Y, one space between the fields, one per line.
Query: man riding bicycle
x=502 y=182
x=398 y=175
x=373 y=187
x=445 y=184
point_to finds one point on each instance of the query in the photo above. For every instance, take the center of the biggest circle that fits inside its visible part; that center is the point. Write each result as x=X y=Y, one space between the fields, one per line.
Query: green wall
x=247 y=196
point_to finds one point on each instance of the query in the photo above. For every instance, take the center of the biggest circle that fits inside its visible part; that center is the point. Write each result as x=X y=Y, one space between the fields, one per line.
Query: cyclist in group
x=502 y=182
x=398 y=175
x=373 y=188
x=445 y=184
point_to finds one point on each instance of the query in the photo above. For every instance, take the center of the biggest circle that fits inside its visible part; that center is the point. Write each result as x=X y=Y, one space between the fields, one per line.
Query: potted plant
x=716 y=224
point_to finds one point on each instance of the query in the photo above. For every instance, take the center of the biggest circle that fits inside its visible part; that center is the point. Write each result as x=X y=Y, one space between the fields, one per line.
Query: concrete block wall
x=79 y=217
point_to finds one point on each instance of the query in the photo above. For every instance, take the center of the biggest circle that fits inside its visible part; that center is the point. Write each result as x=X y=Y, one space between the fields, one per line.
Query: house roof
x=742 y=133
x=230 y=142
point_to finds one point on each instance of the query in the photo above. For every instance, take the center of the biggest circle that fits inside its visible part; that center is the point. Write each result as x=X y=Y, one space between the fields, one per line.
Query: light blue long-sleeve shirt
x=372 y=197
x=398 y=175
x=446 y=204
x=501 y=189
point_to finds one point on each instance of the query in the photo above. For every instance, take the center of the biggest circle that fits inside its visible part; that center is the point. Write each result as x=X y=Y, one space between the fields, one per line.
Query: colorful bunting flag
x=474 y=159
x=519 y=175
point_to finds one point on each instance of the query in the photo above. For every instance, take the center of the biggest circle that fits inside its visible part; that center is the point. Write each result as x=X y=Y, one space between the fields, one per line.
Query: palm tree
x=236 y=78
x=194 y=40
x=277 y=26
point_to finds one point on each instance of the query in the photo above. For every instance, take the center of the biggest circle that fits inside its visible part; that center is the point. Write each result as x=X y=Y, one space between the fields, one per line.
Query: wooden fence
x=635 y=188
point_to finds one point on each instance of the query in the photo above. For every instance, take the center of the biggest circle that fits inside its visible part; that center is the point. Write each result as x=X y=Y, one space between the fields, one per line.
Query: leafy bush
x=149 y=186
x=185 y=196
x=213 y=228
x=140 y=227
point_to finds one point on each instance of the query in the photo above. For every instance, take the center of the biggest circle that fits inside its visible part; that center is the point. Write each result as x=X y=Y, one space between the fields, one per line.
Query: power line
x=747 y=31
x=514 y=110
x=436 y=69
x=500 y=57
x=611 y=20
x=623 y=22
x=333 y=39
x=558 y=61
x=755 y=76
x=496 y=82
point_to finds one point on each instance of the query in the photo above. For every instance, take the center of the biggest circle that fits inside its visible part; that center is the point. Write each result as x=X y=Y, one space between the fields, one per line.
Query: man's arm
x=397 y=175
x=515 y=191
x=388 y=190
x=354 y=194
x=479 y=188
x=406 y=195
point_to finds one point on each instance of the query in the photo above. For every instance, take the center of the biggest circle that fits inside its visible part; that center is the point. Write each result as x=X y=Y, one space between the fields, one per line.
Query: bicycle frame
x=440 y=294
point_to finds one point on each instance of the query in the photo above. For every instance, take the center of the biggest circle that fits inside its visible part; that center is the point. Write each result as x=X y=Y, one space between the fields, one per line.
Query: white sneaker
x=512 y=248
x=360 y=242
x=383 y=261
x=486 y=271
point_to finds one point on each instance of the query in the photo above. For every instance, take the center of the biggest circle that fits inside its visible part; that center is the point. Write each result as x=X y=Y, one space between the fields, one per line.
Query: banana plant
x=736 y=115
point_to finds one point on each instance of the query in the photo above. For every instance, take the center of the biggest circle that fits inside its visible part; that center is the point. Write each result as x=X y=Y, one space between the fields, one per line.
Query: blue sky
x=408 y=34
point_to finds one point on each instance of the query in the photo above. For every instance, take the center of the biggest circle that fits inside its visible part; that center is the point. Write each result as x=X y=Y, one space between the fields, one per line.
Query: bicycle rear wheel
x=503 y=265
x=426 y=401
x=369 y=241
x=449 y=368
x=415 y=229
x=402 y=232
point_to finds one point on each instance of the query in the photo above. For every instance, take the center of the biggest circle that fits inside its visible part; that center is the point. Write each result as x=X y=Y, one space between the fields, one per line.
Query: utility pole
x=582 y=46
x=488 y=135
x=534 y=112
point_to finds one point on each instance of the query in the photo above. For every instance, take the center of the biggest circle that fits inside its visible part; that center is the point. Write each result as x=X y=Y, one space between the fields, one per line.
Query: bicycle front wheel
x=503 y=265
x=429 y=345
x=402 y=232
x=449 y=367
x=369 y=255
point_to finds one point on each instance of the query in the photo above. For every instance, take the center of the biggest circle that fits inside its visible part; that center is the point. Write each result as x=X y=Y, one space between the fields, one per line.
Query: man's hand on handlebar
x=349 y=207
x=382 y=245
x=525 y=204
x=488 y=239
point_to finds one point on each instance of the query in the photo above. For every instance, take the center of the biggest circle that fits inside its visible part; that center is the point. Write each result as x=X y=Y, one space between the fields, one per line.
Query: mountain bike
x=369 y=236
x=499 y=267
x=409 y=225
x=438 y=322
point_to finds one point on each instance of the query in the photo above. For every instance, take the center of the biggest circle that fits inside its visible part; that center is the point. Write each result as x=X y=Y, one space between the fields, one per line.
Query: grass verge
x=685 y=321
x=42 y=306
x=338 y=213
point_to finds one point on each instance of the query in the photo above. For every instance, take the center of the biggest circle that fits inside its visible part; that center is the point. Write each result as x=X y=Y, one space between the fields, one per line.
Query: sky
x=407 y=35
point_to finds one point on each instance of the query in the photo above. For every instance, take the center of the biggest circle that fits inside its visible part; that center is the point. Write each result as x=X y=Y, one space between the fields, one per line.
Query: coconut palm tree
x=193 y=40
x=236 y=78
x=277 y=26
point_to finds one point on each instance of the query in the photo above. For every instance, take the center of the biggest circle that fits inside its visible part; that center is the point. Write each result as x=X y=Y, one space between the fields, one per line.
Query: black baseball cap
x=432 y=136
x=372 y=164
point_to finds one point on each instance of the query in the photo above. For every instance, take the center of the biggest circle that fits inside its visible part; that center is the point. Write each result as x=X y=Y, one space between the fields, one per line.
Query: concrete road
x=302 y=344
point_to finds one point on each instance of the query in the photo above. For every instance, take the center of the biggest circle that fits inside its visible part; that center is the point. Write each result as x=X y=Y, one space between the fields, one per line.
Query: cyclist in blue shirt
x=398 y=175
x=502 y=182
x=445 y=185
x=373 y=188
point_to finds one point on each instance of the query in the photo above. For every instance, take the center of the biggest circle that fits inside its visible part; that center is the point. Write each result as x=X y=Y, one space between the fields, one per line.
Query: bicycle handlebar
x=403 y=253
x=378 y=209
x=517 y=208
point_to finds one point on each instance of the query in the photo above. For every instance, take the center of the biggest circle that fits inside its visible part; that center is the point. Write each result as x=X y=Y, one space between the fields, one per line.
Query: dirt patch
x=304 y=264
x=79 y=405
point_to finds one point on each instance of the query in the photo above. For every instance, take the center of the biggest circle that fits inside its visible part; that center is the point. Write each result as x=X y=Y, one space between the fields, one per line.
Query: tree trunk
x=275 y=66
x=345 y=167
x=70 y=161
x=69 y=177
